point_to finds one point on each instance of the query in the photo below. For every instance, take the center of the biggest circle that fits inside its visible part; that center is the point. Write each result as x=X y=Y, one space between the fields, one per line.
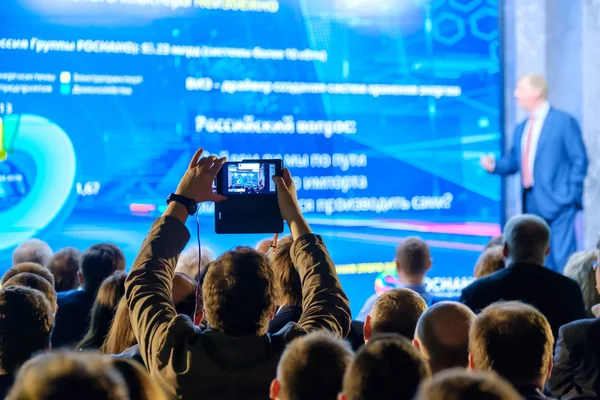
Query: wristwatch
x=188 y=203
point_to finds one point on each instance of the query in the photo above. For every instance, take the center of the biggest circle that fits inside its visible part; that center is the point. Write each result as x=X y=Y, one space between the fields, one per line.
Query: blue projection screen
x=380 y=108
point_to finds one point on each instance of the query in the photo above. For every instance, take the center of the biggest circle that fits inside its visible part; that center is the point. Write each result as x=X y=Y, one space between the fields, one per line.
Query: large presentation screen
x=380 y=109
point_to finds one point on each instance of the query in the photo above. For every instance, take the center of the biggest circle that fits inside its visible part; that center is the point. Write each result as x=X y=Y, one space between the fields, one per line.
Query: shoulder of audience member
x=578 y=326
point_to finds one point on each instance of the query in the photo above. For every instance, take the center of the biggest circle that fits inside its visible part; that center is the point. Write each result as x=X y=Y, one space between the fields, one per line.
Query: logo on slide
x=45 y=195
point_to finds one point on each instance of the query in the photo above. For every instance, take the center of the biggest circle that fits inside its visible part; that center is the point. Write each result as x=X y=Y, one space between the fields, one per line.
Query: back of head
x=33 y=250
x=27 y=279
x=413 y=257
x=490 y=261
x=312 y=367
x=139 y=384
x=580 y=269
x=98 y=263
x=110 y=293
x=188 y=261
x=495 y=241
x=389 y=366
x=26 y=323
x=286 y=275
x=513 y=339
x=30 y=267
x=457 y=384
x=120 y=334
x=396 y=311
x=184 y=295
x=68 y=376
x=526 y=238
x=239 y=293
x=64 y=266
x=443 y=335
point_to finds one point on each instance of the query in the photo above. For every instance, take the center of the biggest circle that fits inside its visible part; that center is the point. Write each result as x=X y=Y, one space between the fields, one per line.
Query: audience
x=457 y=384
x=64 y=266
x=388 y=367
x=69 y=376
x=139 y=385
x=526 y=246
x=576 y=372
x=580 y=269
x=514 y=340
x=490 y=261
x=235 y=358
x=27 y=279
x=30 y=267
x=74 y=307
x=413 y=260
x=188 y=262
x=311 y=368
x=26 y=322
x=33 y=250
x=396 y=311
x=264 y=246
x=495 y=241
x=442 y=335
x=103 y=311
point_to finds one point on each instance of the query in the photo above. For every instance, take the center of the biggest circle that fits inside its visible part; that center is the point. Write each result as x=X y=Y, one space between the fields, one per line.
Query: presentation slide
x=379 y=108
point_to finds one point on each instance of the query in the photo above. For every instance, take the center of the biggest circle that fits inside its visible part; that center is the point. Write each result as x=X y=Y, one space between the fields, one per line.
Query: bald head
x=442 y=335
x=526 y=239
x=33 y=250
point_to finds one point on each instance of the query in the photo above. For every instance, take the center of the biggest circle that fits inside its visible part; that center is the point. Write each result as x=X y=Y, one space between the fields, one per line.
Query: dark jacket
x=531 y=393
x=72 y=317
x=6 y=382
x=556 y=296
x=576 y=372
x=284 y=316
x=193 y=364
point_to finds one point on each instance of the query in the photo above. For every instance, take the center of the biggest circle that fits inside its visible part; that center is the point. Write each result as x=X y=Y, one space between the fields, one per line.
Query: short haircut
x=443 y=333
x=413 y=256
x=527 y=237
x=490 y=261
x=580 y=269
x=313 y=367
x=239 y=293
x=286 y=275
x=521 y=329
x=33 y=250
x=495 y=241
x=397 y=311
x=69 y=375
x=30 y=267
x=387 y=367
x=458 y=383
x=27 y=279
x=26 y=323
x=538 y=82
x=188 y=261
x=64 y=266
x=98 y=263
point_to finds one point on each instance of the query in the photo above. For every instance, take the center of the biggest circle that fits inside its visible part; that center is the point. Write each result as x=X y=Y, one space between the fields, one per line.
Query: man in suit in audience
x=442 y=335
x=526 y=245
x=549 y=152
x=514 y=340
x=576 y=373
x=74 y=306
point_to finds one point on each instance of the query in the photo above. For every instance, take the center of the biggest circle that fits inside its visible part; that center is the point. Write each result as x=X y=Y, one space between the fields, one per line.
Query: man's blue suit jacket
x=560 y=164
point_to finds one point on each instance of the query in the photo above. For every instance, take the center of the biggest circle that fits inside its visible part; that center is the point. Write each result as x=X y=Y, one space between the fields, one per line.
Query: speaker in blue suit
x=549 y=153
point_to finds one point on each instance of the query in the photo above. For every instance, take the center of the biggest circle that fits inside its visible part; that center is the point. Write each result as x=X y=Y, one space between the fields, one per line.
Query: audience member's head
x=388 y=367
x=395 y=311
x=490 y=261
x=64 y=266
x=413 y=260
x=103 y=311
x=30 y=267
x=239 y=293
x=312 y=367
x=442 y=335
x=580 y=269
x=458 y=384
x=264 y=246
x=495 y=241
x=69 y=376
x=27 y=279
x=514 y=340
x=98 y=263
x=286 y=275
x=526 y=240
x=139 y=384
x=188 y=261
x=33 y=250
x=26 y=323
